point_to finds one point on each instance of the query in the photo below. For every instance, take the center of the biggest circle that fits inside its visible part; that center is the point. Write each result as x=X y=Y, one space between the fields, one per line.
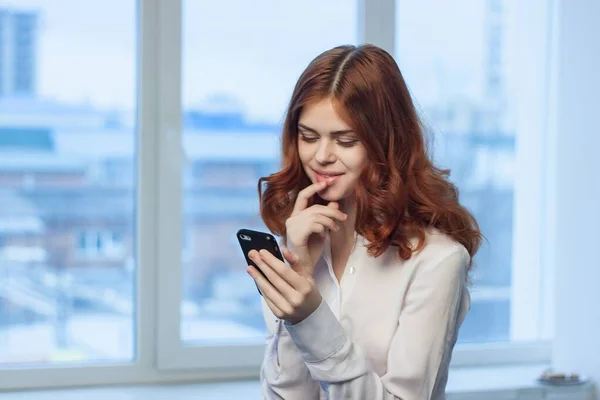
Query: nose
x=325 y=153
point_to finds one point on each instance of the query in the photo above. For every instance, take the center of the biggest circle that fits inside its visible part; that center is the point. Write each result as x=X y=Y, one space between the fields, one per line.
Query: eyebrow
x=332 y=133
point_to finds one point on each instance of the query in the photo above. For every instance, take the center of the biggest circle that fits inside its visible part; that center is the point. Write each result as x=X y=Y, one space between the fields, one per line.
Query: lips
x=327 y=176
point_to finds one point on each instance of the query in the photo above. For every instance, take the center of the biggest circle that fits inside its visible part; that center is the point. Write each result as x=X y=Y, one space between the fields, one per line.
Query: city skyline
x=72 y=67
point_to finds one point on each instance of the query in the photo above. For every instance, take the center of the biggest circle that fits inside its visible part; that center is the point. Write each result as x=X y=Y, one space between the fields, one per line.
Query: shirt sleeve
x=283 y=373
x=421 y=346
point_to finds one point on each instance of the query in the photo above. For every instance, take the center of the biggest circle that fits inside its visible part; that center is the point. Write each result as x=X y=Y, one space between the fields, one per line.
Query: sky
x=249 y=53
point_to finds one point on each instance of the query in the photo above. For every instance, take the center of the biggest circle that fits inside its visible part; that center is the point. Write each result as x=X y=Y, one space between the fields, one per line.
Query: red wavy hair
x=401 y=193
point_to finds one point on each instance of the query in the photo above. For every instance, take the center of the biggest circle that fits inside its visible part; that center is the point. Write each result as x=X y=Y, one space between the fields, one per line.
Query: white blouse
x=386 y=331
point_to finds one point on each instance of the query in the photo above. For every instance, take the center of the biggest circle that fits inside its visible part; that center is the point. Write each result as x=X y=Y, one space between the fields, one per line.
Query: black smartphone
x=256 y=240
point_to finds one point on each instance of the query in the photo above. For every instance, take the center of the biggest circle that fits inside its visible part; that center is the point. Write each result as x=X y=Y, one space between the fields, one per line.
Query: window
x=467 y=67
x=62 y=282
x=127 y=169
x=227 y=174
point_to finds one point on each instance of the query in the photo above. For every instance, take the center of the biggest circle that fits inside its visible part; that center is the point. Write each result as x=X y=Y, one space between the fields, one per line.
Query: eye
x=347 y=143
x=308 y=139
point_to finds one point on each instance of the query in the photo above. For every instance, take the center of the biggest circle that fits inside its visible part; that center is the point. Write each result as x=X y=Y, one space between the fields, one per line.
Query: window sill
x=511 y=382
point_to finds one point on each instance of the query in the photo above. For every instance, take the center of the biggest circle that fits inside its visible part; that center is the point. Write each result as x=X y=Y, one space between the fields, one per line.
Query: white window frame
x=159 y=354
x=532 y=297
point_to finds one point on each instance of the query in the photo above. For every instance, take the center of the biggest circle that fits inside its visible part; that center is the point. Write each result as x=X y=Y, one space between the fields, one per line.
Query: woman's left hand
x=290 y=293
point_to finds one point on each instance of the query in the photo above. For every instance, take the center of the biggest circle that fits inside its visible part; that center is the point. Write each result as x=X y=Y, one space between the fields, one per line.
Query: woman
x=378 y=244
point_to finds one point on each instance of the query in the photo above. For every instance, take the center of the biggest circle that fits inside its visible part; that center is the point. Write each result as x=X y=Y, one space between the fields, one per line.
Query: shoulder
x=441 y=256
x=440 y=260
x=438 y=246
x=438 y=249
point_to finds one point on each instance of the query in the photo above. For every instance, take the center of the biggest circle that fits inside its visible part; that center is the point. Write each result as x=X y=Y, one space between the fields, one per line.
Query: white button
x=352 y=270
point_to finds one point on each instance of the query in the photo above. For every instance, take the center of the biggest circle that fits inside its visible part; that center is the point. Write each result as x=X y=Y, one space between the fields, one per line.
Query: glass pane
x=241 y=61
x=67 y=189
x=458 y=75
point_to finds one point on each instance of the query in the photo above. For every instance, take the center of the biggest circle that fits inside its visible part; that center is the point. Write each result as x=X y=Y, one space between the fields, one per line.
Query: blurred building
x=18 y=52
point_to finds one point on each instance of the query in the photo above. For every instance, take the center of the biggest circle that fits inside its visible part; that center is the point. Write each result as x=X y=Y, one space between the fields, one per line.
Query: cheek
x=357 y=161
x=304 y=153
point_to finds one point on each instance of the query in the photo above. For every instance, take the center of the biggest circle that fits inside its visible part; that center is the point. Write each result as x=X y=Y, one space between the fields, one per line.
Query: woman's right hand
x=306 y=228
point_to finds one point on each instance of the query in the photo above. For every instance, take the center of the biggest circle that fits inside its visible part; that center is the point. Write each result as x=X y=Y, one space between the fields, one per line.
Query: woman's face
x=330 y=150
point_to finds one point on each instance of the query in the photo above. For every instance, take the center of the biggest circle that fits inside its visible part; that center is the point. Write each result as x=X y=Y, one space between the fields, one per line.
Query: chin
x=329 y=197
x=333 y=195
